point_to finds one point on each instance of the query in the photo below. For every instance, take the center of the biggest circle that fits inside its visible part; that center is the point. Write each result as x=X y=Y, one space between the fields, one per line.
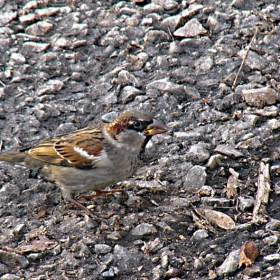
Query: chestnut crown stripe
x=122 y=123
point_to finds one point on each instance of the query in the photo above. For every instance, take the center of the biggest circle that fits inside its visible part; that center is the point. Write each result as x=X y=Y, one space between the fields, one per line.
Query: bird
x=92 y=158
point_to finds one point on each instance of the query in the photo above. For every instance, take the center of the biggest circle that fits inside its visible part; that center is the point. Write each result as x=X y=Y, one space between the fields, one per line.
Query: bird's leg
x=67 y=196
x=90 y=213
x=97 y=193
x=81 y=206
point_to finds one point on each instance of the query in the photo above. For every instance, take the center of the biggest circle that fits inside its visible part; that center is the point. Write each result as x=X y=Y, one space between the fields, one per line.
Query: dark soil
x=66 y=65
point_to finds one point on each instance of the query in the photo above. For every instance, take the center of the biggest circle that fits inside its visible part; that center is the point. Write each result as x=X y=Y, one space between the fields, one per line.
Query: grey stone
x=128 y=11
x=259 y=97
x=199 y=152
x=62 y=43
x=213 y=23
x=272 y=257
x=252 y=143
x=170 y=4
x=179 y=201
x=191 y=10
x=114 y=235
x=238 y=3
x=189 y=134
x=18 y=228
x=216 y=201
x=39 y=29
x=143 y=229
x=195 y=178
x=78 y=29
x=271 y=240
x=52 y=86
x=273 y=124
x=198 y=264
x=129 y=93
x=157 y=272
x=204 y=64
x=13 y=260
x=126 y=78
x=18 y=58
x=214 y=161
x=26 y=19
x=156 y=36
x=46 y=12
x=109 y=116
x=268 y=111
x=151 y=185
x=109 y=273
x=102 y=248
x=191 y=29
x=175 y=48
x=254 y=60
x=9 y=276
x=272 y=225
x=245 y=203
x=34 y=47
x=3 y=269
x=35 y=256
x=165 y=85
x=251 y=119
x=229 y=151
x=126 y=260
x=171 y=22
x=230 y=264
x=7 y=17
x=200 y=235
x=153 y=8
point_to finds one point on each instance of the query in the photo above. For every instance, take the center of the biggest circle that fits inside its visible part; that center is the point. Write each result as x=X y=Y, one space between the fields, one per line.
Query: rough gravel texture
x=65 y=65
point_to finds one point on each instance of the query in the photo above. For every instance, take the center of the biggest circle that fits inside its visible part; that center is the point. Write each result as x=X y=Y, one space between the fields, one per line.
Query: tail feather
x=13 y=156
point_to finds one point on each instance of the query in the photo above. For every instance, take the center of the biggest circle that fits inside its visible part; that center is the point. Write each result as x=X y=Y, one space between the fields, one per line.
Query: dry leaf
x=218 y=218
x=37 y=241
x=232 y=184
x=41 y=214
x=35 y=233
x=205 y=191
x=202 y=223
x=39 y=245
x=248 y=254
x=150 y=246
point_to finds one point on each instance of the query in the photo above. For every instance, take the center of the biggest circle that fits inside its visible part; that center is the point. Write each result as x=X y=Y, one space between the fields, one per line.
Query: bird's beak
x=155 y=128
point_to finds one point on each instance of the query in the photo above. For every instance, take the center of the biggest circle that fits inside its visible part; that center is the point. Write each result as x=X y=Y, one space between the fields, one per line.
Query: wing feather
x=77 y=149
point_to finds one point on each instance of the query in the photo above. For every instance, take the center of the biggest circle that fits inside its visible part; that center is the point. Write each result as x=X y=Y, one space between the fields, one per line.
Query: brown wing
x=79 y=149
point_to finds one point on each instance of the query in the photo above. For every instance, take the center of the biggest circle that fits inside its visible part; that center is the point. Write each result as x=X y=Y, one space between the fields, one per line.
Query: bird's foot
x=97 y=193
x=93 y=215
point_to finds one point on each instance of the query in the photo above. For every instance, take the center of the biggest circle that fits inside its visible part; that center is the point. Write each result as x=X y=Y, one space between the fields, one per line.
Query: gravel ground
x=65 y=65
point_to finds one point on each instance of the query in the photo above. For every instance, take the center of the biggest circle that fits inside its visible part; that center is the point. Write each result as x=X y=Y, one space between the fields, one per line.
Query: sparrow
x=92 y=158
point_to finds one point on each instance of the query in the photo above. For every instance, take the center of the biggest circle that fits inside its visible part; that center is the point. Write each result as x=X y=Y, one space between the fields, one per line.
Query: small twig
x=2 y=83
x=244 y=59
x=11 y=250
x=20 y=94
x=262 y=197
x=170 y=33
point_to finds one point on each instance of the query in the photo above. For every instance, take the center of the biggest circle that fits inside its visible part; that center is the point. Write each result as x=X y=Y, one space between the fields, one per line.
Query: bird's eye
x=137 y=124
